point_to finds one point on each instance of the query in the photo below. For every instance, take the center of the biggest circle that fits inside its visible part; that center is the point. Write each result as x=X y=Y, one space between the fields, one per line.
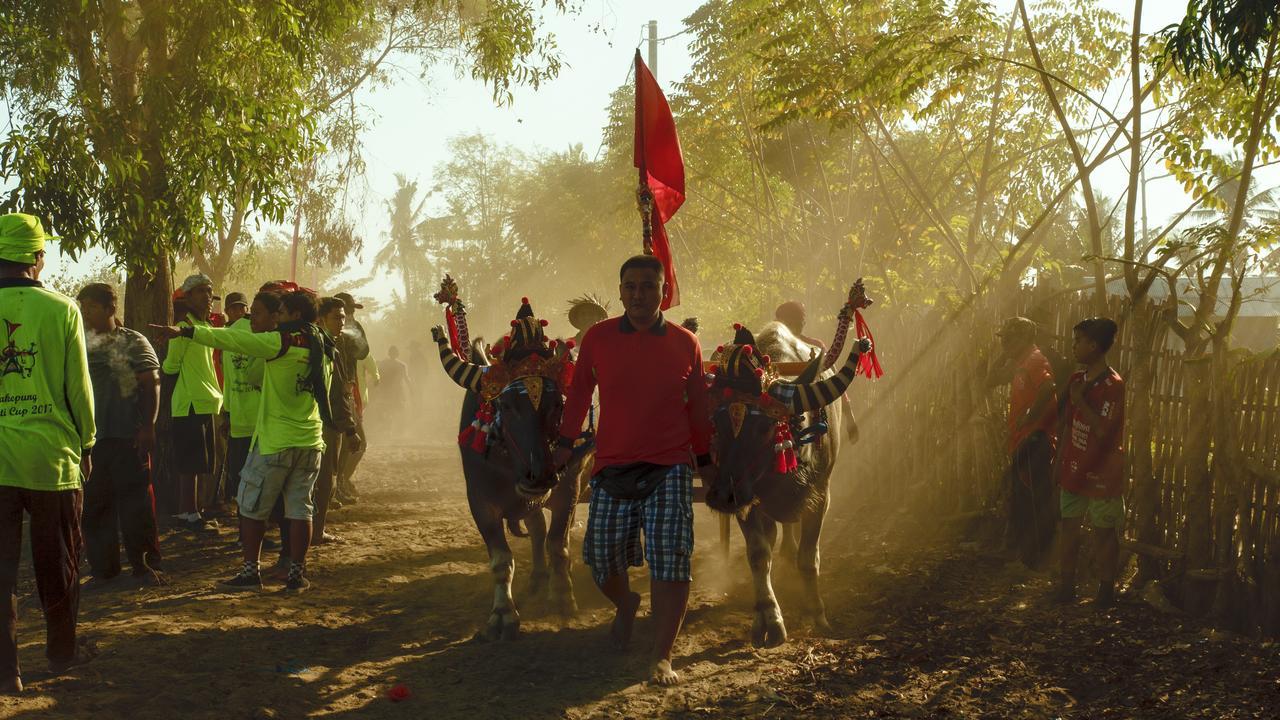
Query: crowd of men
x=267 y=401
x=280 y=377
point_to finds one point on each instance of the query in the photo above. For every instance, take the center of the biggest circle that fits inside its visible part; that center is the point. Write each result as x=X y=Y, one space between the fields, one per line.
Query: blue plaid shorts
x=612 y=543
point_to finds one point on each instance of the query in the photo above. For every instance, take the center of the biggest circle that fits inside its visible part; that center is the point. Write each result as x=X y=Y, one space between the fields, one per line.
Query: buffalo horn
x=466 y=374
x=811 y=396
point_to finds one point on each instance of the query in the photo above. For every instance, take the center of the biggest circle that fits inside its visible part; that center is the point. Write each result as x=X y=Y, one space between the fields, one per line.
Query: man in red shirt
x=1031 y=512
x=653 y=428
x=1090 y=462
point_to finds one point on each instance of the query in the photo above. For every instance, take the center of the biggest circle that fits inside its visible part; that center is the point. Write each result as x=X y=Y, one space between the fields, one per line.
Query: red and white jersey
x=1091 y=459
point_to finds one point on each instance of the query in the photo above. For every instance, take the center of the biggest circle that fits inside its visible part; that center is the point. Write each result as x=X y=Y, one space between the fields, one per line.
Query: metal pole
x=653 y=48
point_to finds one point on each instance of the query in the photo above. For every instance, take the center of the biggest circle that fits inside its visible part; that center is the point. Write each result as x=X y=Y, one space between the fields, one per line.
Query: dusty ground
x=925 y=629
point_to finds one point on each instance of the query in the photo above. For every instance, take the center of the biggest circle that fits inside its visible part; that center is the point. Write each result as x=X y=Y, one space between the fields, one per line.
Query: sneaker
x=297 y=584
x=12 y=686
x=244 y=581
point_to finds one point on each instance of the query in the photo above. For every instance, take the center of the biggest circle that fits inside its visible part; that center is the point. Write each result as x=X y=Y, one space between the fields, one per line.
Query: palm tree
x=402 y=252
x=1261 y=210
x=1261 y=205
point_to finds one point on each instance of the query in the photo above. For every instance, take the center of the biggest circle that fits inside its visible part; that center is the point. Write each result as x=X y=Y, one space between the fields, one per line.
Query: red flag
x=657 y=156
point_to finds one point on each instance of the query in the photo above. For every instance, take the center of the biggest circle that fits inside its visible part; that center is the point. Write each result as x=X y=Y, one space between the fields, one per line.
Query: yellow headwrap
x=21 y=237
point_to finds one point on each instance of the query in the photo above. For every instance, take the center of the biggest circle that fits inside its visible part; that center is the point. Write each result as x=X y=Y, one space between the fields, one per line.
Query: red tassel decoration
x=784 y=450
x=480 y=440
x=455 y=342
x=464 y=438
x=476 y=435
x=868 y=364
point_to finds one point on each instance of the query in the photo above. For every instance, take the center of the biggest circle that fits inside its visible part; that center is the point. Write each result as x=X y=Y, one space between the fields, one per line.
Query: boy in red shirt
x=1090 y=462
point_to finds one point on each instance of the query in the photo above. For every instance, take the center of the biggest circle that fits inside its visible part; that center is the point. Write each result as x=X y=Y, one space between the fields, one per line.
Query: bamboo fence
x=1203 y=451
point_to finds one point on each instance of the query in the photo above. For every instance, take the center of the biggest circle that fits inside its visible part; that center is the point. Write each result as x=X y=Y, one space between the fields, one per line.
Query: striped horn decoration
x=466 y=374
x=811 y=396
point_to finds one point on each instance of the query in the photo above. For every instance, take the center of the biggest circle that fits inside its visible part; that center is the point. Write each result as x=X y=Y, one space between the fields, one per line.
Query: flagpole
x=644 y=196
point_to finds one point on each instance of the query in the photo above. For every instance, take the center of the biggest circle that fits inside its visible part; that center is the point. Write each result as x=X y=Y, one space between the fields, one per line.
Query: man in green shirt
x=46 y=420
x=284 y=457
x=242 y=382
x=197 y=397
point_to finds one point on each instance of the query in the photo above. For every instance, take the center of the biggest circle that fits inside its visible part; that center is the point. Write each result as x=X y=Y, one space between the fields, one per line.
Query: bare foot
x=623 y=620
x=662 y=674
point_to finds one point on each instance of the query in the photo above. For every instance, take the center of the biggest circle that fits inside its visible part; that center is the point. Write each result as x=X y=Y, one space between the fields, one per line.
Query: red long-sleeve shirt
x=653 y=399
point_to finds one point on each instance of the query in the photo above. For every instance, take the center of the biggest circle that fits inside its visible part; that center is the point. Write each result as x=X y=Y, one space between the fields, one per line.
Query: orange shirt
x=1028 y=377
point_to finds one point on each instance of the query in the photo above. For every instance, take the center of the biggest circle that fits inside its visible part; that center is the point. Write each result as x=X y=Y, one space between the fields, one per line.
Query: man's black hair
x=1102 y=331
x=100 y=293
x=302 y=303
x=329 y=304
x=641 y=261
x=270 y=299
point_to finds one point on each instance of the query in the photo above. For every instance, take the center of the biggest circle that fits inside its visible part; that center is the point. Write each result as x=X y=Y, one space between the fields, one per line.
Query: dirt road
x=924 y=629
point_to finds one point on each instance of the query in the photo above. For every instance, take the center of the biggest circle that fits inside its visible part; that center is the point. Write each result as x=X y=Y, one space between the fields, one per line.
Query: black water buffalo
x=767 y=473
x=508 y=470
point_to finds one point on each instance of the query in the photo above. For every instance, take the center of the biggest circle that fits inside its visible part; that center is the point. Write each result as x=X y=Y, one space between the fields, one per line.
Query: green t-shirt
x=242 y=385
x=46 y=396
x=288 y=416
x=197 y=386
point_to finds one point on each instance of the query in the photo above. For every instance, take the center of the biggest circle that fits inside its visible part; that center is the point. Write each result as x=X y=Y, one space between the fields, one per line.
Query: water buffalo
x=506 y=462
x=767 y=474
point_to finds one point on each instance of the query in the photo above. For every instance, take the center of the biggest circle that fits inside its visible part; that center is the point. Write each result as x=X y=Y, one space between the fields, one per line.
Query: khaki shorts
x=291 y=472
x=1102 y=512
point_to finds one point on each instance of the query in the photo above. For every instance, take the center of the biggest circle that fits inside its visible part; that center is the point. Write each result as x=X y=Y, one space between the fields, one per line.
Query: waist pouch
x=633 y=481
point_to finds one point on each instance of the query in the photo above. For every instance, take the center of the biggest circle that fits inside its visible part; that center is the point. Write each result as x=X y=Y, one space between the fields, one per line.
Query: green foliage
x=148 y=127
x=142 y=115
x=270 y=257
x=1222 y=37
x=1212 y=112
x=102 y=272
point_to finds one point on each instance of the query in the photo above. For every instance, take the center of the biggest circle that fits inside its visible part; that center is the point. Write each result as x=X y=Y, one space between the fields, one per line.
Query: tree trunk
x=1262 y=109
x=1199 y=474
x=980 y=194
x=1135 y=151
x=148 y=299
x=1228 y=473
x=1085 y=170
x=1146 y=490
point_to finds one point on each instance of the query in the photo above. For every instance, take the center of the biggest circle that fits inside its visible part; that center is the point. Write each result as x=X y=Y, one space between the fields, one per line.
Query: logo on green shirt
x=13 y=360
